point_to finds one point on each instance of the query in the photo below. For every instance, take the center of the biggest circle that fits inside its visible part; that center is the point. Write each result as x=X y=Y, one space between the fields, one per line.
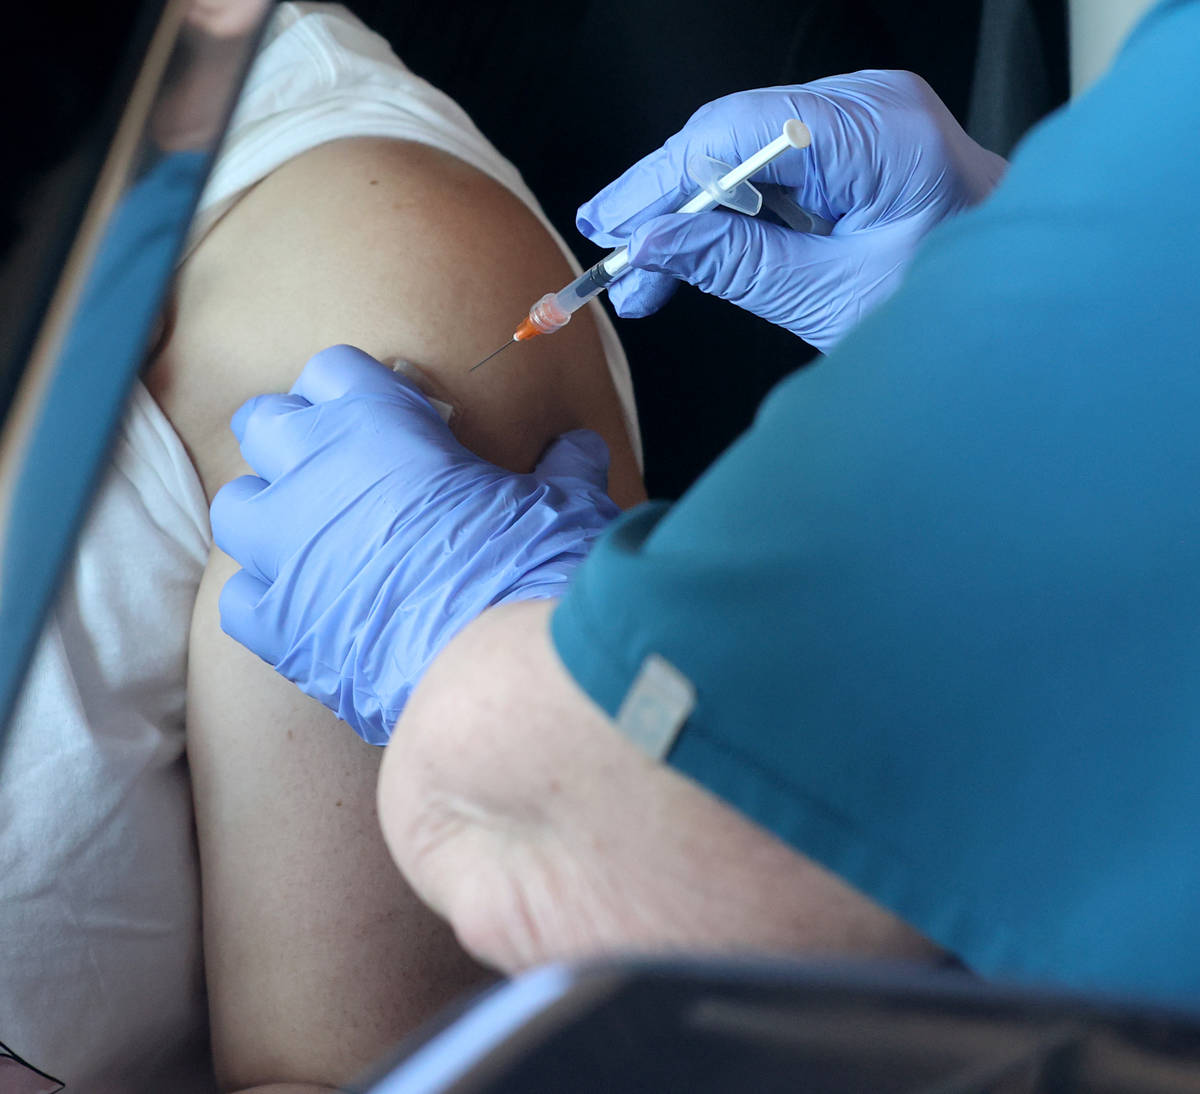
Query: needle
x=492 y=354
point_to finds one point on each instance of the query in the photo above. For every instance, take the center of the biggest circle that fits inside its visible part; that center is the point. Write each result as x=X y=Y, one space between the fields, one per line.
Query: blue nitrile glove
x=373 y=536
x=887 y=163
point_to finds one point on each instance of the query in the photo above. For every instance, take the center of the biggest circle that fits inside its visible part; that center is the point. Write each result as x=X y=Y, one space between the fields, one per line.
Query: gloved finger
x=724 y=254
x=656 y=184
x=579 y=454
x=346 y=370
x=238 y=422
x=713 y=251
x=640 y=293
x=240 y=597
x=241 y=529
x=241 y=415
x=266 y=428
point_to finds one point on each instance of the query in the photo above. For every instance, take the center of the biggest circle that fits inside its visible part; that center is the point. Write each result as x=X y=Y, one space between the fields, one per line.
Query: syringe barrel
x=554 y=310
x=590 y=283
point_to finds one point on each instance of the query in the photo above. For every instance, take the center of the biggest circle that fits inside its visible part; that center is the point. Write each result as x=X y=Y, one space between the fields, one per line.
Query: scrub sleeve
x=941 y=603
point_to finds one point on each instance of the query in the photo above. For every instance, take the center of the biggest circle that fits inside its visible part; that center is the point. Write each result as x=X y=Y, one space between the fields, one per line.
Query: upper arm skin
x=318 y=955
x=403 y=251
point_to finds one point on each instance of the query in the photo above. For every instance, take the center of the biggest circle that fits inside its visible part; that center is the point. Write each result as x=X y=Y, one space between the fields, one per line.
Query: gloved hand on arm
x=887 y=163
x=372 y=536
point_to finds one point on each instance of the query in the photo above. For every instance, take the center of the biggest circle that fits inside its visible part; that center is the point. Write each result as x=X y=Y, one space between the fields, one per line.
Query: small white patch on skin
x=418 y=377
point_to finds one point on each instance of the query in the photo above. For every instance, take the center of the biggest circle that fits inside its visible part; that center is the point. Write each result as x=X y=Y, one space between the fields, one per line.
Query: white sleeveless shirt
x=100 y=974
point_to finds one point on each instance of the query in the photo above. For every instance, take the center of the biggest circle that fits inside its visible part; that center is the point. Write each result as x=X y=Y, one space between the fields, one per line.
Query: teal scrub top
x=941 y=603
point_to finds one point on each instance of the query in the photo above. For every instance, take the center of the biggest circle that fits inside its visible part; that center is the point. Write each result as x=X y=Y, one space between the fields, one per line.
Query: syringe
x=731 y=188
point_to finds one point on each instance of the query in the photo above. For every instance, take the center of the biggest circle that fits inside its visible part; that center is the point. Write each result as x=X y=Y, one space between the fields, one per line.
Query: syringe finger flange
x=707 y=171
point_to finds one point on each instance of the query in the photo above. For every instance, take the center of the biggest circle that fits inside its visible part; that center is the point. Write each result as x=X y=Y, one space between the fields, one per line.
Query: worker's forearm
x=519 y=812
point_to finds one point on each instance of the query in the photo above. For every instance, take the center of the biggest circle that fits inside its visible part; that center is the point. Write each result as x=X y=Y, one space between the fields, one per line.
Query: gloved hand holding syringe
x=720 y=185
x=886 y=164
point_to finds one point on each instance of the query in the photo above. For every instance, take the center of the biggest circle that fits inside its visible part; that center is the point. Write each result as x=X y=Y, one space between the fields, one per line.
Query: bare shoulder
x=318 y=956
x=405 y=251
